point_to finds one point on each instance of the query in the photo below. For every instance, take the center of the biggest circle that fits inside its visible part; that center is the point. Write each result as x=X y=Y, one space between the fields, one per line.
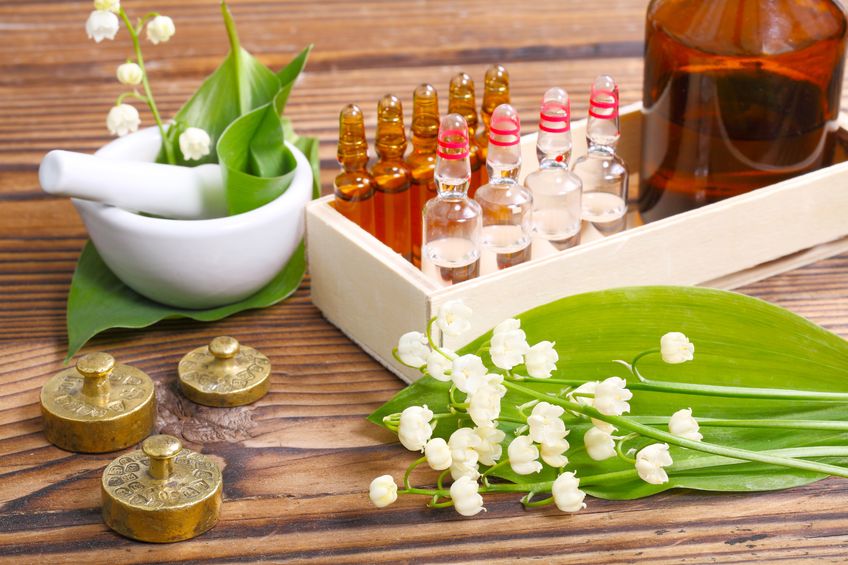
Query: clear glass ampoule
x=603 y=173
x=507 y=205
x=462 y=101
x=495 y=93
x=422 y=159
x=452 y=221
x=354 y=187
x=391 y=201
x=556 y=190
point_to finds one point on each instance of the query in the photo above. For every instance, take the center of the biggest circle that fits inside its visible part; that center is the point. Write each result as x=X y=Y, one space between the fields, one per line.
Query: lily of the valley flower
x=508 y=345
x=650 y=462
x=484 y=403
x=553 y=453
x=122 y=119
x=195 y=144
x=675 y=348
x=454 y=318
x=490 y=448
x=412 y=346
x=438 y=454
x=438 y=365
x=101 y=24
x=414 y=428
x=129 y=74
x=684 y=425
x=160 y=29
x=611 y=396
x=599 y=443
x=541 y=360
x=468 y=370
x=567 y=496
x=545 y=423
x=108 y=5
x=463 y=444
x=524 y=456
x=465 y=493
x=383 y=491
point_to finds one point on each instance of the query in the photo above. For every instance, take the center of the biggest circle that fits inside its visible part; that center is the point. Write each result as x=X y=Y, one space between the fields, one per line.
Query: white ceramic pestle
x=139 y=185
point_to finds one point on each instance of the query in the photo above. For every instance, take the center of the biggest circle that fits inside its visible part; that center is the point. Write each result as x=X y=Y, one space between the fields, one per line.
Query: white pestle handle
x=182 y=193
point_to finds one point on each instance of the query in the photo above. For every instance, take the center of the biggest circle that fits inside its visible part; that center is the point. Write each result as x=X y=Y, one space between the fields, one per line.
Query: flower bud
x=122 y=119
x=545 y=423
x=484 y=403
x=438 y=365
x=129 y=74
x=160 y=29
x=541 y=360
x=676 y=348
x=108 y=5
x=599 y=444
x=567 y=497
x=682 y=424
x=490 y=449
x=508 y=345
x=454 y=318
x=195 y=143
x=414 y=428
x=523 y=456
x=465 y=493
x=101 y=25
x=413 y=349
x=611 y=396
x=383 y=491
x=650 y=462
x=438 y=454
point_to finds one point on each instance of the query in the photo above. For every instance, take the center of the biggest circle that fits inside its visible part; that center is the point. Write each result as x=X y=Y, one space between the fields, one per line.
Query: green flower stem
x=497 y=465
x=713 y=390
x=125 y=95
x=445 y=504
x=659 y=435
x=151 y=103
x=409 y=470
x=544 y=502
x=433 y=345
x=638 y=357
x=441 y=478
x=828 y=425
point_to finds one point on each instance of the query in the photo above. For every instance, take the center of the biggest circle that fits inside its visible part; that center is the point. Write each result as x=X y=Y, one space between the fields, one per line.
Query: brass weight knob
x=162 y=493
x=224 y=373
x=98 y=406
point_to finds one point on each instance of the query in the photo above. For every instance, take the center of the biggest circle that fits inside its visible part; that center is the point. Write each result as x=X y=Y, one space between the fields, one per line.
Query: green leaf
x=288 y=75
x=739 y=340
x=239 y=85
x=98 y=300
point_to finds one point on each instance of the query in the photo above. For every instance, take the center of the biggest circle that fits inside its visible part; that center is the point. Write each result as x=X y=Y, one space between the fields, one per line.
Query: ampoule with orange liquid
x=391 y=201
x=354 y=187
x=422 y=160
x=463 y=102
x=495 y=93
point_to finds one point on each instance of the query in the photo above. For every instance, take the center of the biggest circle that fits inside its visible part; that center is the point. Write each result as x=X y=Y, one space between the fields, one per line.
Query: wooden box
x=374 y=296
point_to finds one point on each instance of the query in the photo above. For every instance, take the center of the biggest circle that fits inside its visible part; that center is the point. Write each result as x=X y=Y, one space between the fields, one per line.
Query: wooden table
x=298 y=463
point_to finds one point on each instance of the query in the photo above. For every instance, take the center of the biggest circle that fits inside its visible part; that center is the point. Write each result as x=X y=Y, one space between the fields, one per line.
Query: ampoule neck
x=424 y=144
x=448 y=190
x=554 y=161
x=600 y=148
x=354 y=164
x=502 y=174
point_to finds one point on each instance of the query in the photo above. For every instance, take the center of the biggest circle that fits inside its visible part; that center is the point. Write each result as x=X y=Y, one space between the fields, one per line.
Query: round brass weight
x=98 y=406
x=224 y=373
x=163 y=493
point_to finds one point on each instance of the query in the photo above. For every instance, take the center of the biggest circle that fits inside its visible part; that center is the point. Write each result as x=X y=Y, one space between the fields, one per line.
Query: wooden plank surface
x=298 y=463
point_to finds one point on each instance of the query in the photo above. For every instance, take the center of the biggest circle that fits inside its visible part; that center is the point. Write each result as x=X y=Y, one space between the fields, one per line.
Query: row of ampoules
x=497 y=228
x=388 y=199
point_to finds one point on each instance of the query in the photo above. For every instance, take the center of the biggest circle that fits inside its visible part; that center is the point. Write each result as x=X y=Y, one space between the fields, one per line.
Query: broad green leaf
x=739 y=341
x=239 y=85
x=98 y=300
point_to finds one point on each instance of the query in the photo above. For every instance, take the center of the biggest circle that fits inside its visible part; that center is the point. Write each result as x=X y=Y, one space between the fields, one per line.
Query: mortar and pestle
x=191 y=255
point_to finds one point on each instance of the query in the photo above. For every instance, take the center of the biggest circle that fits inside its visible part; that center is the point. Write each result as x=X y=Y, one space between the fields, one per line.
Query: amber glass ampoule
x=422 y=160
x=354 y=186
x=495 y=93
x=391 y=201
x=738 y=94
x=463 y=102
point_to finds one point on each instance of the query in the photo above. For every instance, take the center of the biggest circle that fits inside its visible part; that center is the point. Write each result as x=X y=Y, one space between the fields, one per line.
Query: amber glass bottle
x=462 y=101
x=495 y=93
x=354 y=186
x=422 y=159
x=738 y=94
x=391 y=201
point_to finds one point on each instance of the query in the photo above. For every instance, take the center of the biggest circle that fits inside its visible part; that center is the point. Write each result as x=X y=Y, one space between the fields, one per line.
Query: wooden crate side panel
x=360 y=287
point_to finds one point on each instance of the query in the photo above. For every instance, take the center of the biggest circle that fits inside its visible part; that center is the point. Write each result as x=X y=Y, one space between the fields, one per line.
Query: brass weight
x=162 y=493
x=224 y=373
x=98 y=406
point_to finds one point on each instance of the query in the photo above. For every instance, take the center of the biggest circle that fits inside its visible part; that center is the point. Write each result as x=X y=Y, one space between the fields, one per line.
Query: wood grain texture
x=298 y=463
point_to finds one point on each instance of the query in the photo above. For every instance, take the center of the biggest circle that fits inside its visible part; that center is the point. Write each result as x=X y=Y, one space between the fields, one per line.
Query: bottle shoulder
x=452 y=209
x=554 y=176
x=391 y=174
x=503 y=194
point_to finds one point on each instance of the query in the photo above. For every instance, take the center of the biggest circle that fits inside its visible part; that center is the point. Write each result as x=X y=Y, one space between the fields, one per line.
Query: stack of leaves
x=760 y=407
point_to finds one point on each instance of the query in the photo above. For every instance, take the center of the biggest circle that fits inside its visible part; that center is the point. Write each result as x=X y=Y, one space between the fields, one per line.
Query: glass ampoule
x=452 y=221
x=391 y=201
x=507 y=205
x=354 y=187
x=462 y=101
x=422 y=159
x=603 y=173
x=495 y=93
x=556 y=190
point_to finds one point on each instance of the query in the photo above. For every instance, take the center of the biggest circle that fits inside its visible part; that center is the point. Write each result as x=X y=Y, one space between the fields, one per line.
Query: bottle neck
x=452 y=188
x=604 y=147
x=500 y=174
x=424 y=144
x=354 y=164
x=553 y=160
